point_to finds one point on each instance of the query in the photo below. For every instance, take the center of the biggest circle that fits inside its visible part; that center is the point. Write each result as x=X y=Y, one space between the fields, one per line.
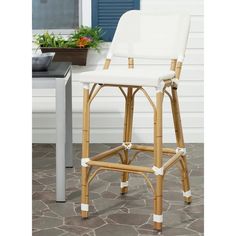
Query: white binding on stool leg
x=127 y=146
x=86 y=85
x=160 y=86
x=187 y=194
x=124 y=184
x=158 y=218
x=84 y=162
x=178 y=149
x=158 y=171
x=175 y=81
x=84 y=207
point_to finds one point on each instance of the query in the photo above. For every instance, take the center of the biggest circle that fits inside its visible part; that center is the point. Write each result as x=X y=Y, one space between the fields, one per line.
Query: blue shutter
x=106 y=14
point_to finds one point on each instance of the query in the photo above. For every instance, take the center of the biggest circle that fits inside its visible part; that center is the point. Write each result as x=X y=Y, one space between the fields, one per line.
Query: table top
x=56 y=69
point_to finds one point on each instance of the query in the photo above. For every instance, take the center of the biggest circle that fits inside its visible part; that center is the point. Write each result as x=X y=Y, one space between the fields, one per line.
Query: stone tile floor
x=112 y=213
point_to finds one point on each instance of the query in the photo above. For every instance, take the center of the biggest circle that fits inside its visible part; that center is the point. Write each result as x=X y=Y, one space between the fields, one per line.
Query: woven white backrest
x=141 y=34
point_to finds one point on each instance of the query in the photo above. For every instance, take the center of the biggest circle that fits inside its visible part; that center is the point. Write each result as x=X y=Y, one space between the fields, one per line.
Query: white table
x=59 y=77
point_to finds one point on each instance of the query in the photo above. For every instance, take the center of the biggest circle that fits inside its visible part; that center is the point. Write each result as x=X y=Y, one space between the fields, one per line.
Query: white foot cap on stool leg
x=124 y=184
x=84 y=207
x=158 y=218
x=187 y=194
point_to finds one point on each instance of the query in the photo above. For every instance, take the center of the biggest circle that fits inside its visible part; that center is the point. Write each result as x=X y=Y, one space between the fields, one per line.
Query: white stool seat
x=125 y=76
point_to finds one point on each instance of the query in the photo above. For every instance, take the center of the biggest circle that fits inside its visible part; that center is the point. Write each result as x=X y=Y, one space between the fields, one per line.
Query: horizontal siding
x=116 y=136
x=192 y=57
x=186 y=89
x=193 y=7
x=107 y=120
x=115 y=120
x=116 y=104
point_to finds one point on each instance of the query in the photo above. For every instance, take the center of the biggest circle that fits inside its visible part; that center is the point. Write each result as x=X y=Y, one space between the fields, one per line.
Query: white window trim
x=85 y=18
x=86 y=12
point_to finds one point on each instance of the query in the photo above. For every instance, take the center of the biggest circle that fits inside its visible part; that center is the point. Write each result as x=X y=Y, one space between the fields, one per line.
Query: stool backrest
x=151 y=35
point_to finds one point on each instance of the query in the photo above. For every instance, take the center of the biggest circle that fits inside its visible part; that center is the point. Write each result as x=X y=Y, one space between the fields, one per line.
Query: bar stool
x=149 y=36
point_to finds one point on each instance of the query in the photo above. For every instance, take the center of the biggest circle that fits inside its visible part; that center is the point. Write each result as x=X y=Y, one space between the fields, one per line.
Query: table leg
x=60 y=140
x=69 y=152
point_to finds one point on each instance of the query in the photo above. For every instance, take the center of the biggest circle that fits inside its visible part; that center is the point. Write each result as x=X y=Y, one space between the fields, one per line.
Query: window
x=55 y=14
x=106 y=14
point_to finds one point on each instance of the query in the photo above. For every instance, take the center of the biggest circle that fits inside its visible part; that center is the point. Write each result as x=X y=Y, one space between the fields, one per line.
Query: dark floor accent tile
x=129 y=219
x=197 y=225
x=116 y=230
x=91 y=222
x=46 y=222
x=49 y=232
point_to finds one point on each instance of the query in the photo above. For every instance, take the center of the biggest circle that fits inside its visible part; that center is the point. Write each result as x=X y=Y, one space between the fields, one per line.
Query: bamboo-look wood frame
x=158 y=150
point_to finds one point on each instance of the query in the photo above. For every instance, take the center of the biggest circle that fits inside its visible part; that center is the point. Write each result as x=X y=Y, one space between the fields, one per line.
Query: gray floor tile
x=112 y=213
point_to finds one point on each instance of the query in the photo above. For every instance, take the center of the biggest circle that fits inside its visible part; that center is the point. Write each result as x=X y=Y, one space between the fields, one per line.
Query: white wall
x=107 y=109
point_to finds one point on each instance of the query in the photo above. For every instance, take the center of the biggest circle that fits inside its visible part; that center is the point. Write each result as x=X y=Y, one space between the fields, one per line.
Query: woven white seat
x=134 y=77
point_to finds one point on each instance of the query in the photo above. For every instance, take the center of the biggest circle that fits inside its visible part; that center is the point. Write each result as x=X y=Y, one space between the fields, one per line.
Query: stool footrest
x=174 y=159
x=108 y=153
x=146 y=148
x=118 y=166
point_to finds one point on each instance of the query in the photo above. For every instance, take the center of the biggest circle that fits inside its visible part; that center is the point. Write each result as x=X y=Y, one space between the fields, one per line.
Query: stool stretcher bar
x=122 y=167
x=173 y=160
x=151 y=149
x=107 y=153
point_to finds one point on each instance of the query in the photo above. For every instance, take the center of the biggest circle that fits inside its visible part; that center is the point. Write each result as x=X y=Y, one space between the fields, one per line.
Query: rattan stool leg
x=158 y=217
x=180 y=144
x=85 y=154
x=128 y=121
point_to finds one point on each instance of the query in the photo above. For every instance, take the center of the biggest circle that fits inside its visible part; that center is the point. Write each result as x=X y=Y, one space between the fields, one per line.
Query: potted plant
x=74 y=48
